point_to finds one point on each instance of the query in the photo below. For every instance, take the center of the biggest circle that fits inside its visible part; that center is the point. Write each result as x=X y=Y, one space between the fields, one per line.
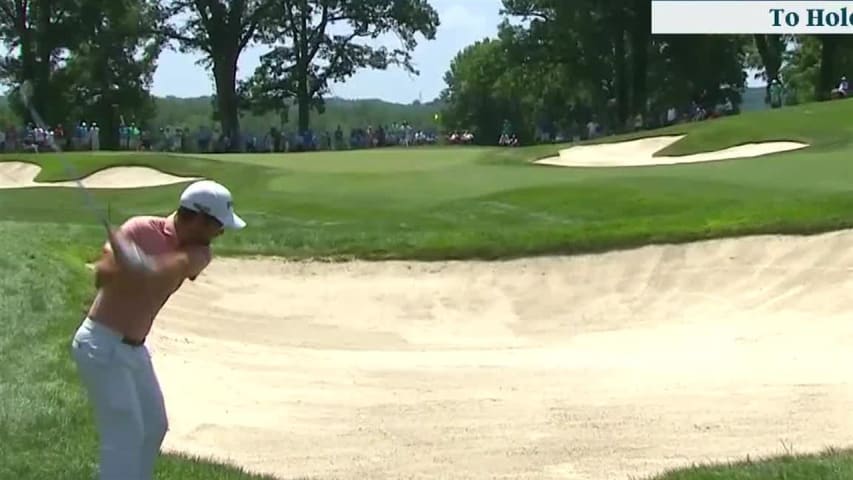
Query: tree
x=640 y=39
x=590 y=38
x=767 y=56
x=484 y=89
x=801 y=69
x=706 y=69
x=110 y=71
x=221 y=30
x=306 y=57
x=813 y=65
x=834 y=54
x=41 y=31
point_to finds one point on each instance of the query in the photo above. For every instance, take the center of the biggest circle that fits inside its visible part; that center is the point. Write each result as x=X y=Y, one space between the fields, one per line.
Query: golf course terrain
x=463 y=312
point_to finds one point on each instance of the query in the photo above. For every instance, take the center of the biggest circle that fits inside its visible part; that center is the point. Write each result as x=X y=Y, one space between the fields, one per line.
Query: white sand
x=589 y=368
x=22 y=175
x=641 y=153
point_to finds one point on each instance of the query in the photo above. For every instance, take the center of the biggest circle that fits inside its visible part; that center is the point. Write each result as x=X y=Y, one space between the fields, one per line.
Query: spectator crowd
x=87 y=136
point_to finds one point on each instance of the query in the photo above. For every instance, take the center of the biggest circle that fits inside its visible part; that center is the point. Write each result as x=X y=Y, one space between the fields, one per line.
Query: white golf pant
x=127 y=401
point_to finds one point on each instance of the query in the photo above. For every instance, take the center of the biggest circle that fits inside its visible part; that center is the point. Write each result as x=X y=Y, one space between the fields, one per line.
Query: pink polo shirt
x=130 y=308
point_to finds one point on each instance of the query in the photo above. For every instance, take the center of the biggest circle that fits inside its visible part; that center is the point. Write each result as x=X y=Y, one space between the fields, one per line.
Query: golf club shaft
x=90 y=200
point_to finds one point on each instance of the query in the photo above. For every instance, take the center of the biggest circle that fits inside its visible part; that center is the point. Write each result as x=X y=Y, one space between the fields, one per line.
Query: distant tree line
x=553 y=66
x=556 y=65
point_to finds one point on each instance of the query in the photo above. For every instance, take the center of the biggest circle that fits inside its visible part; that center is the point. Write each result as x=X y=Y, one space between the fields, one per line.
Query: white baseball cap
x=213 y=199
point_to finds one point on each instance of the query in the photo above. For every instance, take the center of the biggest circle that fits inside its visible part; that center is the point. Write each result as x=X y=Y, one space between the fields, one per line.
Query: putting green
x=384 y=161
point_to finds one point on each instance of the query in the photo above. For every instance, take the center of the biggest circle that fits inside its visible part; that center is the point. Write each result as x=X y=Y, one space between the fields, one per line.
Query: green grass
x=46 y=427
x=436 y=203
x=831 y=464
x=823 y=125
x=425 y=203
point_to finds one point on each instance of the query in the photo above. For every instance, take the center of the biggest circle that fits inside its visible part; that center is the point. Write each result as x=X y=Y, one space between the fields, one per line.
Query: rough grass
x=46 y=427
x=831 y=464
x=424 y=204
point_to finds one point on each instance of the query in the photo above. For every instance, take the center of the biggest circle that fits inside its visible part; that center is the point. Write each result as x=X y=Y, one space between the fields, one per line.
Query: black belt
x=132 y=342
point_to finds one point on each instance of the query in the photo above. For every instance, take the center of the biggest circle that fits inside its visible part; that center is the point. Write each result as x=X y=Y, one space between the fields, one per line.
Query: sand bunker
x=22 y=175
x=641 y=153
x=591 y=367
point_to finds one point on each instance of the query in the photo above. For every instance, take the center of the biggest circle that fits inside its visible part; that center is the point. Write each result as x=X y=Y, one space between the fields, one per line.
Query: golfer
x=143 y=263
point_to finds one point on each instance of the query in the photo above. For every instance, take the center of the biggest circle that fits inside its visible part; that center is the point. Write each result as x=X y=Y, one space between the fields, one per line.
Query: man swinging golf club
x=143 y=263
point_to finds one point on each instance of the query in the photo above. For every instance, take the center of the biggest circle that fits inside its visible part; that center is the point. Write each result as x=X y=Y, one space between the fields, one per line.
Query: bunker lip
x=15 y=174
x=641 y=152
x=591 y=367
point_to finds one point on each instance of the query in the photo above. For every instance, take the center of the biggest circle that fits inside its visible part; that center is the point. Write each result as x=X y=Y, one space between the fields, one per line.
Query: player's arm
x=119 y=256
x=106 y=268
x=128 y=255
x=178 y=265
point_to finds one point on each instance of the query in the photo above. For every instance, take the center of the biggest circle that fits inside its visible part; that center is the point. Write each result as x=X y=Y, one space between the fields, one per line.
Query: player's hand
x=128 y=254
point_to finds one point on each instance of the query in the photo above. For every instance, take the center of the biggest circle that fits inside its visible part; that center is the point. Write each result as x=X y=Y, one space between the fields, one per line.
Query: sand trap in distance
x=640 y=152
x=23 y=174
x=593 y=367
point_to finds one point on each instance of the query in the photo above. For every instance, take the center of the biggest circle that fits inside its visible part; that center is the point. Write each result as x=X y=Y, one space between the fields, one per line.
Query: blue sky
x=462 y=23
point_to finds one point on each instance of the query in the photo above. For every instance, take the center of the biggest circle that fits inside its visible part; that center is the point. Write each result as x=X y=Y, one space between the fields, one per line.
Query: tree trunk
x=771 y=58
x=108 y=124
x=826 y=80
x=303 y=95
x=621 y=76
x=303 y=100
x=42 y=73
x=640 y=38
x=225 y=76
x=28 y=53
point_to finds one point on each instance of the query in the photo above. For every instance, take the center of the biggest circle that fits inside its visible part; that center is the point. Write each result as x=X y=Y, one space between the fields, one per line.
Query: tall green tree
x=702 y=68
x=307 y=56
x=572 y=62
x=35 y=33
x=766 y=55
x=486 y=87
x=814 y=64
x=640 y=40
x=591 y=38
x=835 y=52
x=220 y=30
x=110 y=70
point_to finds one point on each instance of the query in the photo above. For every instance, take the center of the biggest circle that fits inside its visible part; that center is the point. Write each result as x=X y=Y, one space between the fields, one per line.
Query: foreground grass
x=828 y=465
x=46 y=427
